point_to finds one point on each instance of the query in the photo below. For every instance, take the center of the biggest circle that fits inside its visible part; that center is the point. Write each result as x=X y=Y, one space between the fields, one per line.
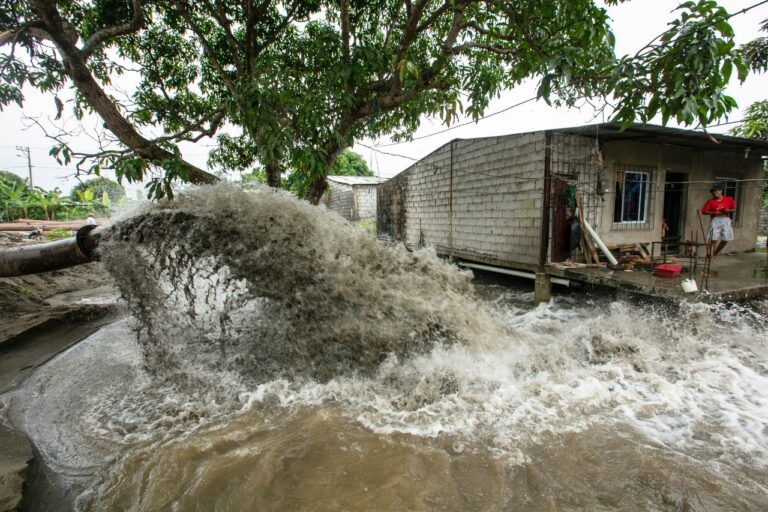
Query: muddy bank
x=28 y=301
x=43 y=315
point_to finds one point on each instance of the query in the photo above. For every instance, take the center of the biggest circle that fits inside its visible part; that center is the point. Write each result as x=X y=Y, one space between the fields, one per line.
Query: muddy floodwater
x=407 y=388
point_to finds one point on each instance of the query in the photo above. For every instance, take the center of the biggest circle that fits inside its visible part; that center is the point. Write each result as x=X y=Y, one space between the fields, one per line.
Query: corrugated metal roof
x=667 y=135
x=357 y=180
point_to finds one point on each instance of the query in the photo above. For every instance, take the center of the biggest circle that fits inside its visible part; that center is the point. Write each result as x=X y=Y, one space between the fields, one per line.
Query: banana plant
x=46 y=201
x=85 y=196
x=13 y=197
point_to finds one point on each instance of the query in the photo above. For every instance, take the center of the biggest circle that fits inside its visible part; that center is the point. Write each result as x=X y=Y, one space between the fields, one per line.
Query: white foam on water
x=692 y=381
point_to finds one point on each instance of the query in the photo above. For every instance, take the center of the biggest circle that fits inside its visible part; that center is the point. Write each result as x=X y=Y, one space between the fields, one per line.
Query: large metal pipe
x=36 y=258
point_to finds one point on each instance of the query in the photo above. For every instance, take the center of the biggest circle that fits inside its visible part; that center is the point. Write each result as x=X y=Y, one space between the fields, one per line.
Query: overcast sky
x=634 y=24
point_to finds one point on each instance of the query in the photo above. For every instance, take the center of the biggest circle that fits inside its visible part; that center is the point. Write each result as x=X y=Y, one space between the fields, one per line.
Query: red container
x=668 y=270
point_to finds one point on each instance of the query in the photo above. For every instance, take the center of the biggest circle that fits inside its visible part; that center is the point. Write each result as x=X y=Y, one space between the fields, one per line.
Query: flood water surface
x=405 y=388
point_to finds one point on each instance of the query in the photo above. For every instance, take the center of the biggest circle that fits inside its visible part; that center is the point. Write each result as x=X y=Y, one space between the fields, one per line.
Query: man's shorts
x=720 y=229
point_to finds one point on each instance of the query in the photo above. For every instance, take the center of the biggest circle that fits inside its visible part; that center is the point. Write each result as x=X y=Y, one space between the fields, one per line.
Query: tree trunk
x=316 y=190
x=274 y=173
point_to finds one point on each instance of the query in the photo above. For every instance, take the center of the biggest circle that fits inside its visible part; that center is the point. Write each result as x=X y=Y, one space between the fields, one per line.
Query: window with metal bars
x=633 y=197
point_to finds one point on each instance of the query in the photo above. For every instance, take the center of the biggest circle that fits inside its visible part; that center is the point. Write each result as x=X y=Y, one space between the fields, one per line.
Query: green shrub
x=98 y=186
x=58 y=234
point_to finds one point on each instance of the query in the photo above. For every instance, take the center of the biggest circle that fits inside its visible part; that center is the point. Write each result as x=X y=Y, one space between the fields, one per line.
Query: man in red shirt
x=719 y=208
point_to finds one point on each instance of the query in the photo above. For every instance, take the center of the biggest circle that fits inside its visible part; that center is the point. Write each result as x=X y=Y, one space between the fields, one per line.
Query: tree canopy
x=350 y=163
x=755 y=122
x=99 y=186
x=755 y=126
x=756 y=51
x=290 y=84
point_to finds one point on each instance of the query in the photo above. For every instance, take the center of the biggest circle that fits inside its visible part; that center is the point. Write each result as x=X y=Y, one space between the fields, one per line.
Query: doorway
x=560 y=227
x=675 y=189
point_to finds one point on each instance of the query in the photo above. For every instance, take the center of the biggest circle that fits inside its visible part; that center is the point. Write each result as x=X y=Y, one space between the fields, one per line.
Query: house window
x=735 y=189
x=633 y=196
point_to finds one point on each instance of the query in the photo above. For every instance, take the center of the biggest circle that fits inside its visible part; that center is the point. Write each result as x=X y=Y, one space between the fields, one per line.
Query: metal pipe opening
x=36 y=258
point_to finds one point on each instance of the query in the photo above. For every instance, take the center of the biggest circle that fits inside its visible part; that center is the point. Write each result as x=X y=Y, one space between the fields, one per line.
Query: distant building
x=506 y=200
x=352 y=197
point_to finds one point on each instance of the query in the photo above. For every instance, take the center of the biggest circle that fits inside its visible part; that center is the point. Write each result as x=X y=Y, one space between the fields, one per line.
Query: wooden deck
x=731 y=277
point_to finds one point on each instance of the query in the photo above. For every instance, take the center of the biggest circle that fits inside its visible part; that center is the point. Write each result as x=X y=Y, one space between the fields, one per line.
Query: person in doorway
x=719 y=208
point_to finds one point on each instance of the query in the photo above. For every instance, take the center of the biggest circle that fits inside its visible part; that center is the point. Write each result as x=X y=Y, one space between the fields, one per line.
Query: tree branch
x=218 y=13
x=215 y=121
x=409 y=34
x=105 y=34
x=33 y=29
x=81 y=75
x=278 y=30
x=206 y=47
x=253 y=15
x=433 y=17
x=345 y=29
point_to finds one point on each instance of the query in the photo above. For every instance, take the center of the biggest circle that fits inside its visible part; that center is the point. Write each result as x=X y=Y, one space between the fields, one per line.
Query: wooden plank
x=584 y=235
x=45 y=224
x=584 y=240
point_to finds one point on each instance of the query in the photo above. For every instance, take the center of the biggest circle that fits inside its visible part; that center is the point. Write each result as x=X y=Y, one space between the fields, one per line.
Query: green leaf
x=742 y=68
x=726 y=70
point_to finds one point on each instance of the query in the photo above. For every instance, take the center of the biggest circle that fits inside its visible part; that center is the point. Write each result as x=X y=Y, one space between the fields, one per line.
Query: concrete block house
x=352 y=197
x=503 y=200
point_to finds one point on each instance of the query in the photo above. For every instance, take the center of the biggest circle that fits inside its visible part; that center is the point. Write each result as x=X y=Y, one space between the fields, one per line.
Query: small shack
x=352 y=197
x=507 y=201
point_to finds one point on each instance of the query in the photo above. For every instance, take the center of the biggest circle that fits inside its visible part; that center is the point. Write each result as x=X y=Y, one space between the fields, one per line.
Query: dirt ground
x=26 y=301
x=42 y=315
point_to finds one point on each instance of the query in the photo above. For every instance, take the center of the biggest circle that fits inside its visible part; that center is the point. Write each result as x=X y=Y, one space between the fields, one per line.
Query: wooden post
x=542 y=290
x=450 y=204
x=545 y=202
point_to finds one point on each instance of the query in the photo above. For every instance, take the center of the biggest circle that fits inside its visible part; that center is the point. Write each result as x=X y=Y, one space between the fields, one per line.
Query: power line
x=46 y=167
x=457 y=125
x=375 y=148
x=31 y=147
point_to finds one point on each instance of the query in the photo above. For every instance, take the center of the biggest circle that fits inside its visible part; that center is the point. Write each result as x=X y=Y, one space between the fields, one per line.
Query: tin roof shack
x=505 y=201
x=352 y=197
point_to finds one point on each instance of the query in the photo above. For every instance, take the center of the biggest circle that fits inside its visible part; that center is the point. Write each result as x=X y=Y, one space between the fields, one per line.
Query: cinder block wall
x=427 y=202
x=340 y=199
x=391 y=198
x=365 y=201
x=480 y=197
x=497 y=197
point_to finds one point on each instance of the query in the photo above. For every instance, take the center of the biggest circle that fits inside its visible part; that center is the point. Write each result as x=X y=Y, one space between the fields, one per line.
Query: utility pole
x=25 y=149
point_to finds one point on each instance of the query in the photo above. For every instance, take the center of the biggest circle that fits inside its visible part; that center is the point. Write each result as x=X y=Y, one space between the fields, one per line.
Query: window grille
x=577 y=170
x=634 y=197
x=573 y=161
